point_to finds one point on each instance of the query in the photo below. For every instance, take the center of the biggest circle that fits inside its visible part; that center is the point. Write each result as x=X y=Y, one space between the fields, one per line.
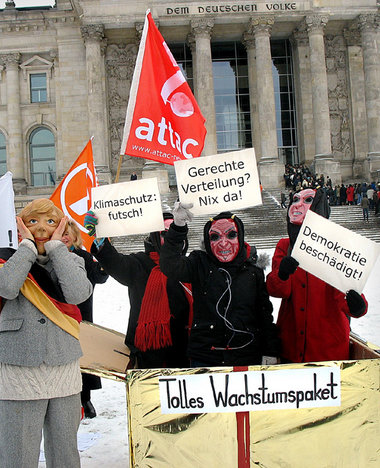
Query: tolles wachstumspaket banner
x=345 y=434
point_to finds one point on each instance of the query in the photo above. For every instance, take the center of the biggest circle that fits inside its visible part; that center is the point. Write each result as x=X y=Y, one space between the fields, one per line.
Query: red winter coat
x=312 y=320
x=350 y=193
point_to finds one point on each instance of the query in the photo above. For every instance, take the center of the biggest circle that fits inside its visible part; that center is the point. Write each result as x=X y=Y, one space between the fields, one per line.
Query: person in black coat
x=158 y=324
x=232 y=319
x=96 y=274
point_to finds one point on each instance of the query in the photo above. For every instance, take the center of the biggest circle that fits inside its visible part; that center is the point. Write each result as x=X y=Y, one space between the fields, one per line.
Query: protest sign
x=250 y=391
x=127 y=208
x=8 y=231
x=220 y=182
x=334 y=254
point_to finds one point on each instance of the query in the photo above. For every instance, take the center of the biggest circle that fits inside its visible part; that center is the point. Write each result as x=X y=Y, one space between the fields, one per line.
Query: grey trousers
x=21 y=427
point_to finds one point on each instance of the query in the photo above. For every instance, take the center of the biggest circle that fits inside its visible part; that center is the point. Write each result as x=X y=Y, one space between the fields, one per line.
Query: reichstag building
x=297 y=80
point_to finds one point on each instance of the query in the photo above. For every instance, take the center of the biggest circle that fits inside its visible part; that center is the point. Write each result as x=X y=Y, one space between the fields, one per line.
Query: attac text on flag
x=163 y=120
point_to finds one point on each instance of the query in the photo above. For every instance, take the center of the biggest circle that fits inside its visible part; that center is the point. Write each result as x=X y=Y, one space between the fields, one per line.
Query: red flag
x=73 y=194
x=163 y=121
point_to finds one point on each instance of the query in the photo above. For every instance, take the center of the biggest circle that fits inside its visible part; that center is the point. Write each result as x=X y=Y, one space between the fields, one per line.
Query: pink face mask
x=300 y=205
x=224 y=240
x=167 y=223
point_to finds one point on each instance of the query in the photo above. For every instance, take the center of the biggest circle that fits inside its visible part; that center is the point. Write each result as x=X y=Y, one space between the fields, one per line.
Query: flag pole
x=118 y=169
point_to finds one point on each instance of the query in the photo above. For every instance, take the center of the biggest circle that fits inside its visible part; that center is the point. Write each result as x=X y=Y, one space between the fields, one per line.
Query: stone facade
x=88 y=48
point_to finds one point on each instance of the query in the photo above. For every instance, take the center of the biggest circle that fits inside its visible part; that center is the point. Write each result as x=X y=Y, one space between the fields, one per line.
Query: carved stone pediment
x=36 y=63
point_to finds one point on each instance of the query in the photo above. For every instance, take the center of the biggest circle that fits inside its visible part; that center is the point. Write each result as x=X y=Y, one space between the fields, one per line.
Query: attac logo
x=163 y=121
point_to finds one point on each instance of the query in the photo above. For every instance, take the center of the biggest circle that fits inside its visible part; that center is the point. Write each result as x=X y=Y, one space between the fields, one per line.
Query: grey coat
x=28 y=337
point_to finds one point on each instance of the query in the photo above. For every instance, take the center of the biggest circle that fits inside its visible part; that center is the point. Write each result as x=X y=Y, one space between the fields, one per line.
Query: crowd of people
x=365 y=194
x=211 y=307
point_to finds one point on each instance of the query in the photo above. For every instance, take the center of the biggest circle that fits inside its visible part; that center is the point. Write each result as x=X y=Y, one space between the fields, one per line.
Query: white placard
x=127 y=208
x=250 y=391
x=335 y=254
x=8 y=230
x=220 y=182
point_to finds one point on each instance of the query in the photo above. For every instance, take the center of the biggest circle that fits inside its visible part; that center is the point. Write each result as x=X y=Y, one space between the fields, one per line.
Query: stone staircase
x=264 y=224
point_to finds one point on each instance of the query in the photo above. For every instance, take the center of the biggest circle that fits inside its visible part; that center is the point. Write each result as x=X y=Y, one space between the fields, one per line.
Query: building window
x=232 y=112
x=182 y=54
x=3 y=155
x=38 y=87
x=42 y=157
x=282 y=70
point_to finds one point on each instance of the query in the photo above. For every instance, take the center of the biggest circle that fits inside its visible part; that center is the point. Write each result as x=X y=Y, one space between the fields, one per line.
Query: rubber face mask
x=42 y=227
x=300 y=205
x=224 y=242
x=167 y=223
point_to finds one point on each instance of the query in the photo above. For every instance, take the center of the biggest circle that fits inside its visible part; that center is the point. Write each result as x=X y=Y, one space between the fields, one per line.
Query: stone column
x=249 y=44
x=369 y=26
x=357 y=102
x=302 y=79
x=93 y=36
x=15 y=150
x=193 y=49
x=323 y=161
x=204 y=91
x=270 y=168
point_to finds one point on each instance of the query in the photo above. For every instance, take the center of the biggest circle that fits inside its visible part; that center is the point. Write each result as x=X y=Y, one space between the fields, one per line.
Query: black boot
x=89 y=410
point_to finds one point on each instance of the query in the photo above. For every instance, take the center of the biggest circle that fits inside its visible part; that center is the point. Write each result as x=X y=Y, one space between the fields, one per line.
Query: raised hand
x=181 y=213
x=90 y=222
x=58 y=233
x=23 y=231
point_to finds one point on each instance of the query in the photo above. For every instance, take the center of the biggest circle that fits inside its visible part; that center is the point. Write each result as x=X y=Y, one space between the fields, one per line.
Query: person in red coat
x=313 y=320
x=350 y=192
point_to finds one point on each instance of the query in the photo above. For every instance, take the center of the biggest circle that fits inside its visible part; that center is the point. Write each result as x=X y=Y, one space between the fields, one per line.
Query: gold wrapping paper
x=344 y=436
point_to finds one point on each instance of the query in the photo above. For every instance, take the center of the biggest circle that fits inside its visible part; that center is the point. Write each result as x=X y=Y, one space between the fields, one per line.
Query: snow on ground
x=103 y=441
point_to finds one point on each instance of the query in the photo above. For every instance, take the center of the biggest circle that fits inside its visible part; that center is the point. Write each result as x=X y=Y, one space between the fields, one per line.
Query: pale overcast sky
x=24 y=3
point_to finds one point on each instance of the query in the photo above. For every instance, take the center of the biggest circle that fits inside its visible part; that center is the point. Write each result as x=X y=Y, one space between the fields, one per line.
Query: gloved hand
x=90 y=221
x=355 y=303
x=181 y=213
x=269 y=361
x=288 y=266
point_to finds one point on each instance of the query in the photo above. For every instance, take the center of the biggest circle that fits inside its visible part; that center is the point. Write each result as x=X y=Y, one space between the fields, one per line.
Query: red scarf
x=153 y=326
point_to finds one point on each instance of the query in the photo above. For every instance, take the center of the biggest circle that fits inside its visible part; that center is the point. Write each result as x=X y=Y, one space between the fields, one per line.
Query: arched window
x=3 y=155
x=42 y=157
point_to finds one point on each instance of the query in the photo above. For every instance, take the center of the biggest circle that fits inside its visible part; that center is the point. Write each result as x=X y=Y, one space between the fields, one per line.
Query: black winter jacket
x=233 y=323
x=133 y=270
x=96 y=275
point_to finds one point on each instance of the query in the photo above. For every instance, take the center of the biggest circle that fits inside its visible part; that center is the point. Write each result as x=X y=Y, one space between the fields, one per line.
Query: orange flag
x=163 y=120
x=73 y=194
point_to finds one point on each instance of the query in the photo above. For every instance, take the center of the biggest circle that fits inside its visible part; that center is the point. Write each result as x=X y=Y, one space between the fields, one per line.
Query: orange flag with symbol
x=163 y=121
x=73 y=194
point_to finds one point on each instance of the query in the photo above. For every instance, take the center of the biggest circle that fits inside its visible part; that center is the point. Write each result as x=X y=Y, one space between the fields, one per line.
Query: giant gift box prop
x=344 y=435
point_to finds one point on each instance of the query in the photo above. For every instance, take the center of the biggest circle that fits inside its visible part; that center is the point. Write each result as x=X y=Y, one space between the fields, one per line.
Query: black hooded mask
x=153 y=241
x=320 y=206
x=242 y=252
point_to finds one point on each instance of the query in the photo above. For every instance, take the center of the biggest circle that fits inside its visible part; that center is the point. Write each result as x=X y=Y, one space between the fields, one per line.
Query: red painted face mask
x=167 y=223
x=224 y=240
x=300 y=205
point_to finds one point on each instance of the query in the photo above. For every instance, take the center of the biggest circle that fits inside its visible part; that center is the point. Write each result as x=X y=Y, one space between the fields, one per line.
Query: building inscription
x=233 y=7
